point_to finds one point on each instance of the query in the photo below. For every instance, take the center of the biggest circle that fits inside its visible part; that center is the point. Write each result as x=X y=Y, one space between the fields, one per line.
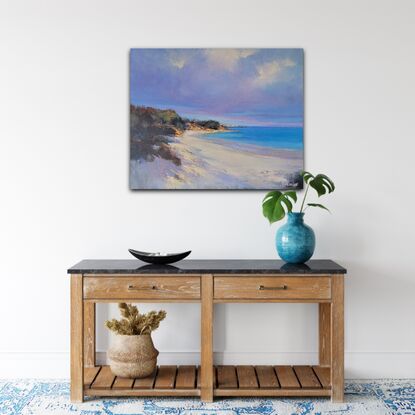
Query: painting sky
x=257 y=87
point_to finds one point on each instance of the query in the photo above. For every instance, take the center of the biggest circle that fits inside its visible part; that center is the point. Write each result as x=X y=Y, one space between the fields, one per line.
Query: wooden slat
x=186 y=377
x=227 y=377
x=104 y=380
x=307 y=378
x=323 y=374
x=150 y=392
x=286 y=377
x=165 y=377
x=122 y=383
x=89 y=375
x=246 y=377
x=266 y=377
x=256 y=393
x=145 y=383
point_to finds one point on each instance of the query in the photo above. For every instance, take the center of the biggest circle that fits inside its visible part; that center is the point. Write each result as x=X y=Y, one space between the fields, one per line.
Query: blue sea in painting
x=290 y=138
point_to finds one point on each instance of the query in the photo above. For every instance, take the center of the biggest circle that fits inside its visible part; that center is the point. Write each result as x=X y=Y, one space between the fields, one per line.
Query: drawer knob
x=134 y=288
x=281 y=287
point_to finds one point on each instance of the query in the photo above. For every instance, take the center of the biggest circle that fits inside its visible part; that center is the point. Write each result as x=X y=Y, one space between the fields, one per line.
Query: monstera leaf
x=276 y=203
x=320 y=183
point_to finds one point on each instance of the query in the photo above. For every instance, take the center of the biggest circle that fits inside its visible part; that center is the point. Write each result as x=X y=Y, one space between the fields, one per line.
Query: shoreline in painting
x=199 y=162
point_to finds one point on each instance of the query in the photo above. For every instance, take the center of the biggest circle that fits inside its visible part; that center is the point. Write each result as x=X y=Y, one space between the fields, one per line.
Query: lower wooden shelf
x=227 y=381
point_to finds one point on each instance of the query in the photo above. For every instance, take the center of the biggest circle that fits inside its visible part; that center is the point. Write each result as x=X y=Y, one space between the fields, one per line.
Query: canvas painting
x=216 y=118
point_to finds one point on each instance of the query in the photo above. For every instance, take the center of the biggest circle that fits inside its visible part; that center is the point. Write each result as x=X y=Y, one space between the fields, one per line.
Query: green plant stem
x=305 y=195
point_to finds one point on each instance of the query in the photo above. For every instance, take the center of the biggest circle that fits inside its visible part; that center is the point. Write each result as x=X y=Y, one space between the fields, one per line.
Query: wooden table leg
x=337 y=339
x=89 y=334
x=77 y=338
x=206 y=364
x=324 y=334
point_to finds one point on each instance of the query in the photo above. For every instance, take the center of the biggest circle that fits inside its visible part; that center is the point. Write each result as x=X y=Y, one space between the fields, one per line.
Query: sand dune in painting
x=216 y=164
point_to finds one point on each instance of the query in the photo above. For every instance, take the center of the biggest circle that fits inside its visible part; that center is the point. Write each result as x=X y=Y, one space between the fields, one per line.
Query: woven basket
x=132 y=356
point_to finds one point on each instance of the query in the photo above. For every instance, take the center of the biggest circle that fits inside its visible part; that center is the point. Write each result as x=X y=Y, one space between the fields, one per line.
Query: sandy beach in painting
x=217 y=164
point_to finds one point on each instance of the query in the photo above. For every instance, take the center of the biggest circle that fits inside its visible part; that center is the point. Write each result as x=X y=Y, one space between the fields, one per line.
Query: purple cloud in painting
x=234 y=86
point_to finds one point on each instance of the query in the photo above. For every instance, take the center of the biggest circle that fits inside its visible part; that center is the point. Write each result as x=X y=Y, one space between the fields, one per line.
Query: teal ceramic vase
x=295 y=241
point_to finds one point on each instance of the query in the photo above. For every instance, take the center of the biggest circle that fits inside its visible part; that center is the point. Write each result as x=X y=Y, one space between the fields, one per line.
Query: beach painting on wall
x=216 y=118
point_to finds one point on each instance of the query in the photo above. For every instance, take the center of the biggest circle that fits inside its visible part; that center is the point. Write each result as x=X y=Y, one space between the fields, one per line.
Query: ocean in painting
x=216 y=118
x=288 y=138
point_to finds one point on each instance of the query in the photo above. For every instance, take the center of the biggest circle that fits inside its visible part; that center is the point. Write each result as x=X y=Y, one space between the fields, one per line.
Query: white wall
x=64 y=174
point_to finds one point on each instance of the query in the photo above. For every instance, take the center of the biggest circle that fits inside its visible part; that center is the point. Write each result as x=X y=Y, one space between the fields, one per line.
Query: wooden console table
x=209 y=282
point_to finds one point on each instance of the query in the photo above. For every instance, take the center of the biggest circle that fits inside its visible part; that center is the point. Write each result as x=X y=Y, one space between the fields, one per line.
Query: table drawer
x=142 y=288
x=268 y=288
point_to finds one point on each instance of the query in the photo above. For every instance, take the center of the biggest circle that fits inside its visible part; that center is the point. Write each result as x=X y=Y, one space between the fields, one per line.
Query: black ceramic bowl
x=157 y=258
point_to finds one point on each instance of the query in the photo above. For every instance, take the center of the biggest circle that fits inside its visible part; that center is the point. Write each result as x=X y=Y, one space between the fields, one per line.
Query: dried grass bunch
x=134 y=323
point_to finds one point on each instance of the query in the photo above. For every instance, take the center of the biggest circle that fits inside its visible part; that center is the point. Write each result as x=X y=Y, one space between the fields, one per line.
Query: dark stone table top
x=209 y=266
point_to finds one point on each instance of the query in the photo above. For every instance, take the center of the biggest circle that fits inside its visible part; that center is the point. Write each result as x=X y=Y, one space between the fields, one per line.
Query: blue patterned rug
x=362 y=397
